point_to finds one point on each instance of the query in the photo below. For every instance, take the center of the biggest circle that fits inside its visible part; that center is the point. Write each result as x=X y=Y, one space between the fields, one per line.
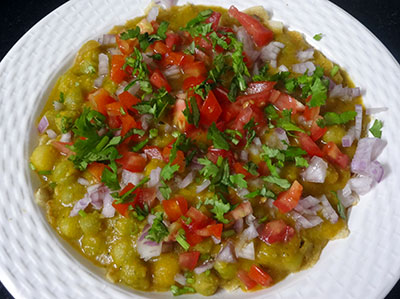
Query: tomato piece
x=307 y=144
x=115 y=109
x=334 y=155
x=288 y=200
x=214 y=20
x=260 y=276
x=173 y=58
x=194 y=69
x=245 y=115
x=128 y=100
x=311 y=113
x=114 y=122
x=126 y=46
x=188 y=260
x=199 y=220
x=99 y=100
x=214 y=153
x=179 y=159
x=241 y=211
x=117 y=73
x=175 y=207
x=192 y=238
x=316 y=131
x=238 y=168
x=259 y=33
x=146 y=196
x=96 y=170
x=153 y=152
x=158 y=80
x=62 y=147
x=247 y=281
x=173 y=40
x=276 y=231
x=160 y=48
x=132 y=162
x=123 y=208
x=211 y=230
x=287 y=102
x=210 y=111
x=192 y=81
x=263 y=169
x=128 y=123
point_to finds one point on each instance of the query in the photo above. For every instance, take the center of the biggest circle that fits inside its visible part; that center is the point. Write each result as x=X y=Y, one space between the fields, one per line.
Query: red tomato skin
x=114 y=109
x=188 y=260
x=276 y=231
x=288 y=200
x=260 y=34
x=179 y=159
x=192 y=81
x=132 y=162
x=214 y=19
x=173 y=40
x=334 y=155
x=214 y=153
x=160 y=48
x=210 y=111
x=286 y=102
x=260 y=276
x=175 y=207
x=117 y=73
x=257 y=93
x=316 y=131
x=128 y=123
x=100 y=99
x=126 y=46
x=128 y=100
x=194 y=69
x=241 y=211
x=239 y=169
x=199 y=220
x=307 y=144
x=96 y=170
x=211 y=230
x=244 y=277
x=158 y=80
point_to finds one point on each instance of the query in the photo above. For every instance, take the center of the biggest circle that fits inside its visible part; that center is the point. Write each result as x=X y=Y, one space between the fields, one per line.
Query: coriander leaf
x=334 y=70
x=177 y=291
x=110 y=177
x=294 y=151
x=319 y=92
x=165 y=190
x=219 y=208
x=162 y=30
x=286 y=122
x=238 y=180
x=332 y=118
x=301 y=162
x=157 y=105
x=318 y=37
x=181 y=239
x=210 y=170
x=130 y=33
x=192 y=112
x=283 y=183
x=263 y=192
x=158 y=231
x=138 y=147
x=129 y=195
x=251 y=168
x=250 y=132
x=168 y=171
x=217 y=137
x=233 y=135
x=190 y=49
x=201 y=17
x=376 y=129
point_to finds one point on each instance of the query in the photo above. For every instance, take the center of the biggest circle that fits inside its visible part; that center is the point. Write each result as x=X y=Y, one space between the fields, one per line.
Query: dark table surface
x=382 y=17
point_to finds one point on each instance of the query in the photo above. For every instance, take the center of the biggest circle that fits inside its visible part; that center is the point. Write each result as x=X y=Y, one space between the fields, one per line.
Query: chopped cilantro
x=238 y=180
x=332 y=118
x=263 y=219
x=334 y=70
x=32 y=166
x=158 y=231
x=251 y=167
x=233 y=135
x=217 y=137
x=286 y=122
x=62 y=98
x=66 y=124
x=250 y=132
x=129 y=195
x=219 y=208
x=181 y=239
x=165 y=190
x=316 y=86
x=283 y=183
x=264 y=192
x=146 y=39
x=138 y=147
x=190 y=49
x=158 y=104
x=153 y=133
x=210 y=170
x=301 y=162
x=44 y=172
x=376 y=129
x=177 y=291
x=82 y=213
x=141 y=213
x=340 y=208
x=168 y=171
x=110 y=177
x=318 y=36
x=192 y=112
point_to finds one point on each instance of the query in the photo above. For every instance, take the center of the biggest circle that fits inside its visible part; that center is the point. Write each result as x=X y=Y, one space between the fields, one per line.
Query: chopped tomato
x=259 y=33
x=126 y=46
x=276 y=231
x=192 y=238
x=194 y=69
x=179 y=159
x=210 y=111
x=198 y=219
x=62 y=147
x=114 y=122
x=245 y=115
x=132 y=162
x=146 y=196
x=192 y=81
x=188 y=260
x=307 y=144
x=287 y=102
x=260 y=276
x=96 y=170
x=257 y=93
x=311 y=113
x=123 y=208
x=335 y=156
x=153 y=152
x=263 y=169
x=160 y=48
x=173 y=40
x=316 y=131
x=288 y=200
x=128 y=100
x=117 y=73
x=214 y=153
x=214 y=20
x=115 y=109
x=241 y=211
x=238 y=168
x=211 y=230
x=173 y=58
x=247 y=281
x=128 y=123
x=158 y=80
x=175 y=207
x=99 y=99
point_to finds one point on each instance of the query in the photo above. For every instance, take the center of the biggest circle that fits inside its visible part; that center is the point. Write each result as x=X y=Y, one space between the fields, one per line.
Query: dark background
x=382 y=17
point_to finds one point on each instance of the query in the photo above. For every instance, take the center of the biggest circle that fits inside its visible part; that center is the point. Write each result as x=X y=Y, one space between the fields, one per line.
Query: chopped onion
x=368 y=150
x=58 y=106
x=103 y=64
x=172 y=71
x=108 y=209
x=346 y=196
x=179 y=278
x=242 y=193
x=130 y=177
x=154 y=177
x=249 y=233
x=166 y=3
x=244 y=156
x=187 y=180
x=283 y=68
x=303 y=67
x=134 y=88
x=227 y=254
x=114 y=51
x=308 y=206
x=316 y=171
x=370 y=111
x=145 y=119
x=257 y=141
x=153 y=13
x=107 y=39
x=255 y=150
x=204 y=267
x=303 y=56
x=271 y=51
x=66 y=137
x=51 y=134
x=148 y=249
x=245 y=251
x=359 y=117
x=43 y=124
x=203 y=186
x=348 y=139
x=327 y=211
x=376 y=171
x=248 y=44
x=305 y=221
x=98 y=82
x=121 y=88
x=80 y=205
x=215 y=240
x=238 y=226
x=361 y=185
x=250 y=219
x=344 y=93
x=83 y=182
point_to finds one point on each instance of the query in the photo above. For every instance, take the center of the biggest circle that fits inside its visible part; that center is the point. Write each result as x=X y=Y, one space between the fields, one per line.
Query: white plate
x=36 y=263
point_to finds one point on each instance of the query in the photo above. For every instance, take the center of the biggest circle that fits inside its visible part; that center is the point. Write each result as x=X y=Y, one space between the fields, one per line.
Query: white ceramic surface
x=36 y=263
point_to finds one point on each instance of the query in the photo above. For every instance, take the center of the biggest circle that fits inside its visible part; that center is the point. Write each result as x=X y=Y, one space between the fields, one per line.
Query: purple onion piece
x=43 y=124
